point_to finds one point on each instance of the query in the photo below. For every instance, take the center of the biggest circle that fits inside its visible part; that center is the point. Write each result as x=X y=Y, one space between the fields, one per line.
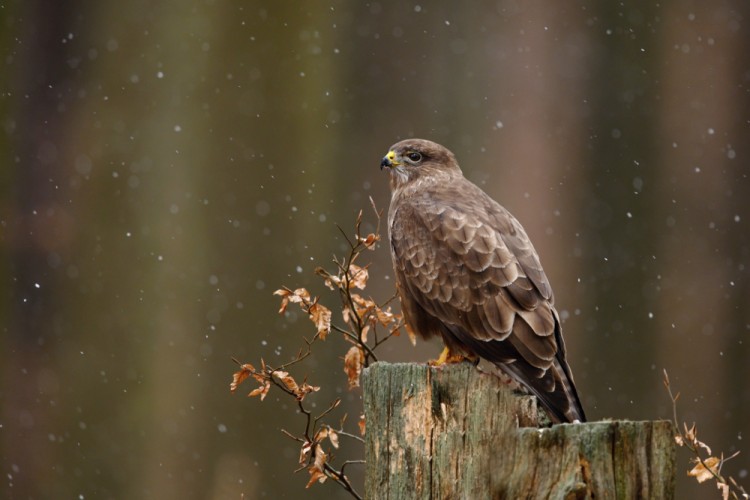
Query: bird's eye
x=414 y=156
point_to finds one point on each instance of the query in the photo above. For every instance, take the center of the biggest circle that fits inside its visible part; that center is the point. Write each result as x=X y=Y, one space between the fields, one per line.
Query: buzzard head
x=414 y=159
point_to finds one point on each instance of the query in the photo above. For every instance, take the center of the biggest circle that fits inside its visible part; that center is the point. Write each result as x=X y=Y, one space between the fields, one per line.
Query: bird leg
x=448 y=357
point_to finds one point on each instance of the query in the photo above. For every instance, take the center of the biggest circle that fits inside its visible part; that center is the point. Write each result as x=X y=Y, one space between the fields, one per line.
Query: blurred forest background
x=167 y=165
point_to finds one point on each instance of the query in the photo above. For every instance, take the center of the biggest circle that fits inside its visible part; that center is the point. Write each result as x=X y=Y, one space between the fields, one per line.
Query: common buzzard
x=466 y=270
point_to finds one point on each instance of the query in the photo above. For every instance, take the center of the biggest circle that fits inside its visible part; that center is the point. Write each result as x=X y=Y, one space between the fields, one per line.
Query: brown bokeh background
x=167 y=165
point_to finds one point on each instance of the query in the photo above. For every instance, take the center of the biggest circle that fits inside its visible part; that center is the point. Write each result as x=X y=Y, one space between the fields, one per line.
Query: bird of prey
x=466 y=271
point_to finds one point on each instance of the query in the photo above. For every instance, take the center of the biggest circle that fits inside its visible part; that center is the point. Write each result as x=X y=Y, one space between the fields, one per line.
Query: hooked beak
x=389 y=160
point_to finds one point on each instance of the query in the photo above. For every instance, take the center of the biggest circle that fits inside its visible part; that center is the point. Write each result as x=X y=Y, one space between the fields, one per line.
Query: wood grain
x=456 y=432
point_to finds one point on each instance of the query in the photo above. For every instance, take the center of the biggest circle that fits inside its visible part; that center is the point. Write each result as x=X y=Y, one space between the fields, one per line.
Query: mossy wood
x=456 y=432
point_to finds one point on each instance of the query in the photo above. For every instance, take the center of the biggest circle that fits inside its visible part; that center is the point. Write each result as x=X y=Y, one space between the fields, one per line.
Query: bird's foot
x=448 y=357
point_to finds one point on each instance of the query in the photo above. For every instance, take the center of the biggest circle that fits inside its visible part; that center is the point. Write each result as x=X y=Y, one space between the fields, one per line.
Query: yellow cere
x=392 y=157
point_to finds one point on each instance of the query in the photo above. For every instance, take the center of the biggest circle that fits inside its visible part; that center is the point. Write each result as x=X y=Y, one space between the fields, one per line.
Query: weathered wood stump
x=456 y=432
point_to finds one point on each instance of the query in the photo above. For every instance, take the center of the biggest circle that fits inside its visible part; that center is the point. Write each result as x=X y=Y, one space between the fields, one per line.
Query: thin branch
x=391 y=299
x=343 y=233
x=308 y=415
x=353 y=462
x=326 y=412
x=292 y=436
x=391 y=333
x=353 y=337
x=349 y=435
x=690 y=440
x=340 y=478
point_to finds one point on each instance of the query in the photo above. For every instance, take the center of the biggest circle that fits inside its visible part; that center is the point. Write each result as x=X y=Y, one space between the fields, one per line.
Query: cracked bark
x=455 y=432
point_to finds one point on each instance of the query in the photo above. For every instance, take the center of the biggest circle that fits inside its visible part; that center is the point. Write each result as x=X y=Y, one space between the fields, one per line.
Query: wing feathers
x=536 y=349
x=524 y=293
x=478 y=261
x=541 y=320
x=466 y=269
x=499 y=317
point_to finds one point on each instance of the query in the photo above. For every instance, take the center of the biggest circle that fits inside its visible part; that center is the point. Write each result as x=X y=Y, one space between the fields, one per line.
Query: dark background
x=167 y=165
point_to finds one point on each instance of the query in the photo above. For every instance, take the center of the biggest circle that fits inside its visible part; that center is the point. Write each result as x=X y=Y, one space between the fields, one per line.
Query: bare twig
x=341 y=432
x=292 y=436
x=341 y=479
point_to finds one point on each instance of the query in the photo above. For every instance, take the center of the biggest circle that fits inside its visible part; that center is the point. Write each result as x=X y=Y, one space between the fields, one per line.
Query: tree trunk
x=456 y=432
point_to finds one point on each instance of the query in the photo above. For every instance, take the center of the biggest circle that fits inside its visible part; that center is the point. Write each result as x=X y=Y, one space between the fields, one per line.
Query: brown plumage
x=467 y=271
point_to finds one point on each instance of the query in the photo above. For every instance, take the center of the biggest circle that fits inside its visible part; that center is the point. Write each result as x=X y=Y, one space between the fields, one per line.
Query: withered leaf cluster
x=366 y=325
x=706 y=467
x=318 y=313
x=267 y=376
x=312 y=453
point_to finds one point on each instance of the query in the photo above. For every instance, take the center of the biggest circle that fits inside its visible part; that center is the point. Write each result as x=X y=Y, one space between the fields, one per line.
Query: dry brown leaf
x=346 y=314
x=291 y=384
x=321 y=434
x=261 y=391
x=361 y=424
x=703 y=445
x=724 y=488
x=353 y=361
x=238 y=377
x=385 y=316
x=358 y=276
x=690 y=433
x=287 y=380
x=316 y=470
x=333 y=438
x=298 y=296
x=366 y=309
x=370 y=240
x=332 y=282
x=691 y=436
x=703 y=473
x=362 y=303
x=320 y=458
x=321 y=316
x=284 y=299
x=306 y=389
x=315 y=475
x=364 y=333
x=304 y=452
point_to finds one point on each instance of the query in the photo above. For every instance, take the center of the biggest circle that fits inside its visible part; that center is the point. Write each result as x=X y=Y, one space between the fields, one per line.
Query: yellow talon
x=447 y=357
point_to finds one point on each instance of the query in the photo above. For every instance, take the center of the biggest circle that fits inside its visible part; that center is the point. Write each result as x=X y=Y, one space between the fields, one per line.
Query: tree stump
x=456 y=432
